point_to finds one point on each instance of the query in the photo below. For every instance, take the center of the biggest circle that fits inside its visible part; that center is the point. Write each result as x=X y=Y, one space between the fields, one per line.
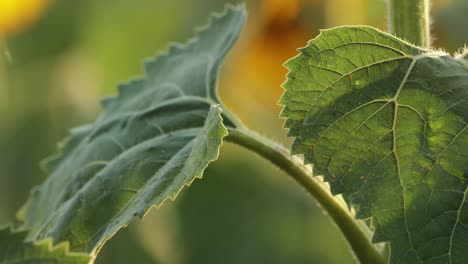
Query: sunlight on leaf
x=386 y=123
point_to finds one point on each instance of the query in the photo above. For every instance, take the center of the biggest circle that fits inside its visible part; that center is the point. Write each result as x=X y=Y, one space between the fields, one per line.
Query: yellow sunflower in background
x=17 y=15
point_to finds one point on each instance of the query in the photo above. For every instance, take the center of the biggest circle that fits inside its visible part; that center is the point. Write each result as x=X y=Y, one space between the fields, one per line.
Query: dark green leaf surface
x=155 y=137
x=386 y=123
x=13 y=249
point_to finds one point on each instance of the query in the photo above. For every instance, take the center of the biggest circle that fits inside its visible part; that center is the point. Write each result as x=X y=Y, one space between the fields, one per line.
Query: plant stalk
x=410 y=20
x=353 y=230
x=4 y=60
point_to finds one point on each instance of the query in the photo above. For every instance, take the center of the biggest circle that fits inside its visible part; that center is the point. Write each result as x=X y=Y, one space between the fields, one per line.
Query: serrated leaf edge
x=63 y=246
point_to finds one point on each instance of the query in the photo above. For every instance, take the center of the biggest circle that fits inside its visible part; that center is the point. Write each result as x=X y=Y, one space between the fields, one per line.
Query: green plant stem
x=352 y=229
x=409 y=19
x=4 y=60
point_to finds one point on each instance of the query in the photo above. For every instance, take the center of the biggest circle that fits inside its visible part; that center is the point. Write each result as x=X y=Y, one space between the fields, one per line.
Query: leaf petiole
x=355 y=231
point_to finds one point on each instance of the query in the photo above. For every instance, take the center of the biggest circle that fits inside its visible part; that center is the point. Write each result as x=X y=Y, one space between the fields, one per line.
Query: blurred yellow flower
x=16 y=15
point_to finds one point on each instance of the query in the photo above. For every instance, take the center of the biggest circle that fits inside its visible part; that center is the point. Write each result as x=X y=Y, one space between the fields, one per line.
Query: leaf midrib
x=394 y=151
x=409 y=70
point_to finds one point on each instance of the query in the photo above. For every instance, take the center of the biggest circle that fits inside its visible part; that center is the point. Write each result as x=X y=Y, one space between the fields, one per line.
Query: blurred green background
x=59 y=57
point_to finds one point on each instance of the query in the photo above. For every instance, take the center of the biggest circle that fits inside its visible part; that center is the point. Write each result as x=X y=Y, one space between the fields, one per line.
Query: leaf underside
x=152 y=139
x=386 y=123
x=13 y=249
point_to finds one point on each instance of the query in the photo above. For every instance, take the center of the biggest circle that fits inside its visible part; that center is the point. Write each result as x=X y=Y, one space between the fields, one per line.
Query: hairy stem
x=354 y=230
x=409 y=19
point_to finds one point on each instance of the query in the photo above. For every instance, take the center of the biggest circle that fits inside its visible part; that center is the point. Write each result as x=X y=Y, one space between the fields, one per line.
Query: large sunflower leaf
x=155 y=137
x=13 y=249
x=385 y=123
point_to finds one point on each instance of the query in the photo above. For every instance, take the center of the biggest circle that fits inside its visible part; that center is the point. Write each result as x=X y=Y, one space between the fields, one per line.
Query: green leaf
x=13 y=249
x=385 y=122
x=154 y=138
